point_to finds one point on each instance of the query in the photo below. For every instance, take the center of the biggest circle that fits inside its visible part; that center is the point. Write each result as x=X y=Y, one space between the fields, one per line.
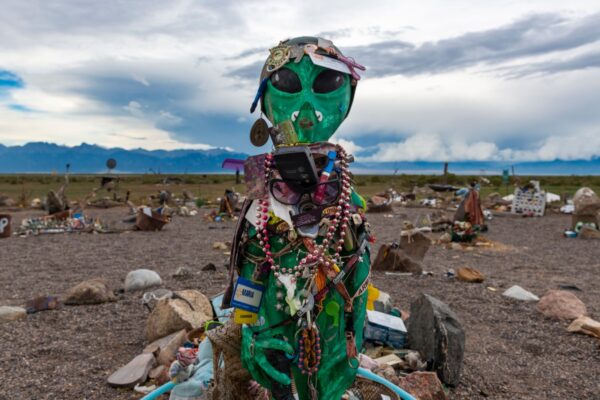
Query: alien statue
x=301 y=254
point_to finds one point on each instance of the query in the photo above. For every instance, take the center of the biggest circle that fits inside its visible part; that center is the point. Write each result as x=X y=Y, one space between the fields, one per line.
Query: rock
x=586 y=202
x=171 y=315
x=165 y=349
x=8 y=313
x=136 y=371
x=589 y=233
x=42 y=303
x=586 y=326
x=435 y=331
x=182 y=272
x=467 y=274
x=560 y=304
x=423 y=386
x=518 y=293
x=6 y=201
x=155 y=373
x=93 y=291
x=210 y=267
x=141 y=279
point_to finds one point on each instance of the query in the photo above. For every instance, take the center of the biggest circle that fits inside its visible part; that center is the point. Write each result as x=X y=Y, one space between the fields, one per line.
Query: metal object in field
x=111 y=163
x=5 y=220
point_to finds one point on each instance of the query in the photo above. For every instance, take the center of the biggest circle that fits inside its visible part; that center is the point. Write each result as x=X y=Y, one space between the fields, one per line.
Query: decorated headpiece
x=306 y=89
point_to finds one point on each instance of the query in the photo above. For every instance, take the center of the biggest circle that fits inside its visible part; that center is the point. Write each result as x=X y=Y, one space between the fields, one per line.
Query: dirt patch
x=512 y=351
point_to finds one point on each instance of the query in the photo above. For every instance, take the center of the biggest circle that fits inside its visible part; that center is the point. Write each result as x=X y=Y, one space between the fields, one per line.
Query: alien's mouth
x=305 y=123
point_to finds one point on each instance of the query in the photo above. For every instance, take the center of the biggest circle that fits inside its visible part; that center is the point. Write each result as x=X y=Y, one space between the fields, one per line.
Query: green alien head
x=308 y=82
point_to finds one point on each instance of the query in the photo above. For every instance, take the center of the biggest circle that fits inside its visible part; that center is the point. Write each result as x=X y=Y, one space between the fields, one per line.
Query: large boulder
x=141 y=279
x=8 y=313
x=561 y=304
x=188 y=309
x=586 y=202
x=93 y=291
x=435 y=331
x=423 y=386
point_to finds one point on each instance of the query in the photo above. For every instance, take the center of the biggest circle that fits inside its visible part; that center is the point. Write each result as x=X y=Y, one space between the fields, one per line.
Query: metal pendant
x=280 y=55
x=259 y=133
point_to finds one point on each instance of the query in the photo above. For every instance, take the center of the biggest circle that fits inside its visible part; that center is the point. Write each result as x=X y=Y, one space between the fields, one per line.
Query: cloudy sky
x=446 y=80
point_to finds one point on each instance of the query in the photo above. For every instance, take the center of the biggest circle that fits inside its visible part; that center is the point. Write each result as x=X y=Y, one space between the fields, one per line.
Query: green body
x=325 y=112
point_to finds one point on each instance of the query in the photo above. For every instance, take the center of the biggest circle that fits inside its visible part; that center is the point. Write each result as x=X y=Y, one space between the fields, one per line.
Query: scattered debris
x=189 y=309
x=518 y=293
x=182 y=273
x=6 y=201
x=141 y=279
x=529 y=200
x=467 y=274
x=93 y=291
x=64 y=222
x=220 y=246
x=380 y=203
x=586 y=326
x=135 y=372
x=150 y=220
x=144 y=389
x=435 y=331
x=9 y=313
x=560 y=304
x=385 y=329
x=5 y=227
x=405 y=256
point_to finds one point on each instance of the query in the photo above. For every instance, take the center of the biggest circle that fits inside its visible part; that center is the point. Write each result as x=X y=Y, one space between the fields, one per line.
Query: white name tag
x=247 y=295
x=329 y=62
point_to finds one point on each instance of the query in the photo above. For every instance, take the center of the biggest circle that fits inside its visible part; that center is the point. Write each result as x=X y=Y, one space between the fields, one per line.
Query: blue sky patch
x=10 y=80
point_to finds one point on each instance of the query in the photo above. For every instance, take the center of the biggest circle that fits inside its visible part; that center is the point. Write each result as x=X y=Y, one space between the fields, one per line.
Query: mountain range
x=40 y=157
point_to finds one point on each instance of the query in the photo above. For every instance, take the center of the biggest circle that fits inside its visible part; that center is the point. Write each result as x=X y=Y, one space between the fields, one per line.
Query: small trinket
x=259 y=133
x=280 y=55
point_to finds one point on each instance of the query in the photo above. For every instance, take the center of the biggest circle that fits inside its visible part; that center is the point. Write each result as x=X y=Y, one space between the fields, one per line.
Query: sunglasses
x=290 y=194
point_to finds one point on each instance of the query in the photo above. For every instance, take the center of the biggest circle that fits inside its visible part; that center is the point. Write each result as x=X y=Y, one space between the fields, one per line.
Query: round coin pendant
x=259 y=133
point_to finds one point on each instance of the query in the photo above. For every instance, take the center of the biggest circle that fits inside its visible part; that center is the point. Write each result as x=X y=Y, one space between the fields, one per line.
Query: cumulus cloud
x=503 y=80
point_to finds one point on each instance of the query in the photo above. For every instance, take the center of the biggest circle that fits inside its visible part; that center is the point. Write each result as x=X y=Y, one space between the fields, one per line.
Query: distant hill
x=42 y=157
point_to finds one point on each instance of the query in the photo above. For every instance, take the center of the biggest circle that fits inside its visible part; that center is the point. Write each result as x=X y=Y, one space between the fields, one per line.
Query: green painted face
x=314 y=98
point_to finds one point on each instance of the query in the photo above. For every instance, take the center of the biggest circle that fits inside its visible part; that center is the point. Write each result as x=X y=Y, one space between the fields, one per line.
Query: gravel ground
x=512 y=351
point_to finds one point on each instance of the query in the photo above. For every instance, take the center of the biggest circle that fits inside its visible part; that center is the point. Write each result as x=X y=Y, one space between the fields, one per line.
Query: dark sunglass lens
x=284 y=193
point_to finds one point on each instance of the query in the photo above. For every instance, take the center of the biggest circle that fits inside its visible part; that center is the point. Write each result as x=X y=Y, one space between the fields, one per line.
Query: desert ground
x=512 y=351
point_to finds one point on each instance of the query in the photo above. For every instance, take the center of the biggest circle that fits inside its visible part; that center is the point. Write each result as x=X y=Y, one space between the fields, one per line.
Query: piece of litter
x=517 y=292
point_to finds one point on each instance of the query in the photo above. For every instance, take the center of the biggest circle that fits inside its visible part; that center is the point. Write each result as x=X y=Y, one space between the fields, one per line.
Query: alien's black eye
x=328 y=81
x=286 y=80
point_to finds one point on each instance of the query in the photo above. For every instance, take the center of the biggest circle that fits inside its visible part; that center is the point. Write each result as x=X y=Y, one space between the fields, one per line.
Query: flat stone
x=423 y=386
x=8 y=313
x=467 y=274
x=435 y=332
x=173 y=314
x=561 y=304
x=589 y=233
x=518 y=293
x=141 y=279
x=136 y=371
x=93 y=291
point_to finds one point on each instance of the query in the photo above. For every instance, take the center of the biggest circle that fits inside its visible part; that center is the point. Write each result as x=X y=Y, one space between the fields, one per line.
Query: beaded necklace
x=328 y=252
